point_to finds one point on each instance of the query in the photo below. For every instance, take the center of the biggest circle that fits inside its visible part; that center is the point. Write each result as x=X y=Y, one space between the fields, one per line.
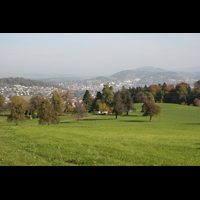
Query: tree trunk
x=150 y=118
x=127 y=113
x=116 y=115
x=48 y=123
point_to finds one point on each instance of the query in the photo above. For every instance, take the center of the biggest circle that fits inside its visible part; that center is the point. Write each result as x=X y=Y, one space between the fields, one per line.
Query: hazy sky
x=96 y=54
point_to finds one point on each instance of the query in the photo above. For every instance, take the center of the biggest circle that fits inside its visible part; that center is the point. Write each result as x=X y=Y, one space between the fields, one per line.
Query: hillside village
x=20 y=90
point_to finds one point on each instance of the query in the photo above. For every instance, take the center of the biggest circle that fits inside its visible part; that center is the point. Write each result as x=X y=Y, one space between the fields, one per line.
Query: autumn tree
x=197 y=89
x=170 y=94
x=151 y=109
x=197 y=102
x=197 y=86
x=67 y=101
x=118 y=106
x=127 y=101
x=16 y=107
x=35 y=103
x=154 y=89
x=47 y=114
x=2 y=103
x=102 y=107
x=140 y=97
x=57 y=103
x=150 y=97
x=79 y=111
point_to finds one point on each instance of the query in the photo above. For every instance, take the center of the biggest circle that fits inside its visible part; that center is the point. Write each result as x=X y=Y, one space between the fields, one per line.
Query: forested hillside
x=25 y=82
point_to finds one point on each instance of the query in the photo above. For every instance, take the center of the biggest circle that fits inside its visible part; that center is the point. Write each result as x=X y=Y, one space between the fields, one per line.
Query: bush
x=183 y=103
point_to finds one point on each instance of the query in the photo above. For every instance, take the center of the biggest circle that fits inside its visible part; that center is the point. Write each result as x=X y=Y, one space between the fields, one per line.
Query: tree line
x=49 y=110
x=119 y=102
x=182 y=93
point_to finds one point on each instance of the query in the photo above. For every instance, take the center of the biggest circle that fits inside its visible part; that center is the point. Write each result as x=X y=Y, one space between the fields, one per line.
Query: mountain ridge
x=152 y=75
x=25 y=82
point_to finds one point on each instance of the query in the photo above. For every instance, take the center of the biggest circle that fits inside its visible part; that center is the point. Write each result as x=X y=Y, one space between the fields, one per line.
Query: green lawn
x=26 y=98
x=173 y=139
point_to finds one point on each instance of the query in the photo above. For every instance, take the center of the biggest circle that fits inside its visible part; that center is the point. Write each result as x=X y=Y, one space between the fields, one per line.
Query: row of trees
x=45 y=109
x=182 y=93
x=110 y=101
x=119 y=102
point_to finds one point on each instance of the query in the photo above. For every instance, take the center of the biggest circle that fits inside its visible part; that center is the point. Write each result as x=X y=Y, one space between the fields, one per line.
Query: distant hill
x=152 y=75
x=25 y=82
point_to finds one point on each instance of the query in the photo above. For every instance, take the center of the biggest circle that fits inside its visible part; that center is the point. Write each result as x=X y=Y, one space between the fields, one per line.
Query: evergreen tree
x=98 y=95
x=17 y=109
x=86 y=99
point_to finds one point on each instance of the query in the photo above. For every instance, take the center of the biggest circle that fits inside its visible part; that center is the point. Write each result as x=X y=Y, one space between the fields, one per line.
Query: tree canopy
x=47 y=113
x=56 y=101
x=17 y=109
x=151 y=109
x=118 y=104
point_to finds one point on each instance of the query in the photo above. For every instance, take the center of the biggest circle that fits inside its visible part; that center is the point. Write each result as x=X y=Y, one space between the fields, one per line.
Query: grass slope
x=172 y=139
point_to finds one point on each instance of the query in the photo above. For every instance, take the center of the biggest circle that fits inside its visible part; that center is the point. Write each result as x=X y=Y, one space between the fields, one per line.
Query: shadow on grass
x=198 y=145
x=132 y=121
x=192 y=123
x=97 y=119
x=132 y=115
x=68 y=122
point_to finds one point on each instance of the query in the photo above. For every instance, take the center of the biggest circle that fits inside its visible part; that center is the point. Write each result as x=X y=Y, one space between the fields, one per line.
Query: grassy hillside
x=171 y=139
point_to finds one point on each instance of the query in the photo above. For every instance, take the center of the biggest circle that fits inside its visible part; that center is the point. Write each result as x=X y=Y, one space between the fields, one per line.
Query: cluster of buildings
x=95 y=85
x=20 y=90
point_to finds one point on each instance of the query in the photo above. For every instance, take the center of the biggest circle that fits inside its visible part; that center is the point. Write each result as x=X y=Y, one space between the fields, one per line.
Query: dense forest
x=25 y=82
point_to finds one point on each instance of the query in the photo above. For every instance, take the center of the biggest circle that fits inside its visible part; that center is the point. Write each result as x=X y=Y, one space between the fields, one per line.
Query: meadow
x=172 y=139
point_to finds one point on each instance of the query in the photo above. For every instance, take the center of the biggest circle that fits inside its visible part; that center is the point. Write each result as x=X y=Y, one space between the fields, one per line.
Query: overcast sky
x=96 y=54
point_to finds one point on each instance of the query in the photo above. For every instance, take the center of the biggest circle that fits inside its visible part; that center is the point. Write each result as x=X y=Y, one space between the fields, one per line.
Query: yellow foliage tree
x=103 y=107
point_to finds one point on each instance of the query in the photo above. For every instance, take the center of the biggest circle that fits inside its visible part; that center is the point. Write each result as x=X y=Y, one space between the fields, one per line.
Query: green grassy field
x=26 y=98
x=173 y=139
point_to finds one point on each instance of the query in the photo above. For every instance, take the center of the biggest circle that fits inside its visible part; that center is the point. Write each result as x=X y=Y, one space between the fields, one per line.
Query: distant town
x=127 y=78
x=92 y=85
